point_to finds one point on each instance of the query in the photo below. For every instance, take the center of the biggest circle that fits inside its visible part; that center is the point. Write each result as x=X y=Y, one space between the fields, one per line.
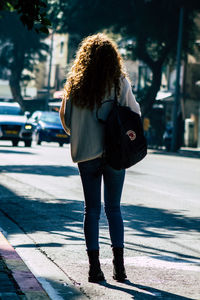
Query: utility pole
x=49 y=74
x=177 y=88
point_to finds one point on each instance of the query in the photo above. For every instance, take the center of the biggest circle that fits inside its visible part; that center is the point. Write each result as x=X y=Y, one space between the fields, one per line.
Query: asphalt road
x=41 y=204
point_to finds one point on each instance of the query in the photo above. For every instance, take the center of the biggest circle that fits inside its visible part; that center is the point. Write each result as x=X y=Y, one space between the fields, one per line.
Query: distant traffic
x=43 y=126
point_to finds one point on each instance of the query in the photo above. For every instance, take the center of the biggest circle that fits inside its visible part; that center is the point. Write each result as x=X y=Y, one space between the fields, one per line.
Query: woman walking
x=97 y=73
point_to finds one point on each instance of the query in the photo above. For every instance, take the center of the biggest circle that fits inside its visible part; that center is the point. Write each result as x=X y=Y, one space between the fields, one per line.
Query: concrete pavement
x=17 y=281
x=151 y=277
x=154 y=269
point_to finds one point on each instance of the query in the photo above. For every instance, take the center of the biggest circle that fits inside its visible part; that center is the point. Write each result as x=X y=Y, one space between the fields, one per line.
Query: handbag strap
x=115 y=101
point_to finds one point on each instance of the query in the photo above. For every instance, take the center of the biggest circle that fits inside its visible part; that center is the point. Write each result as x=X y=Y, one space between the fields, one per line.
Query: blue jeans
x=91 y=173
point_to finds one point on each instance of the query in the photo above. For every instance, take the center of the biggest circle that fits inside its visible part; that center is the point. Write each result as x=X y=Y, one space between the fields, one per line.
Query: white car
x=14 y=124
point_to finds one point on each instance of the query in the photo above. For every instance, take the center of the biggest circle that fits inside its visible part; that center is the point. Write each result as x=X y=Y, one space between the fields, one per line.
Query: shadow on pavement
x=162 y=224
x=150 y=222
x=165 y=254
x=62 y=219
x=141 y=292
x=41 y=170
x=16 y=152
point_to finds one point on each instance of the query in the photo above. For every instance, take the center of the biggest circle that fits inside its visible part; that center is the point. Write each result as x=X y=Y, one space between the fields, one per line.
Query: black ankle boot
x=95 y=273
x=119 y=272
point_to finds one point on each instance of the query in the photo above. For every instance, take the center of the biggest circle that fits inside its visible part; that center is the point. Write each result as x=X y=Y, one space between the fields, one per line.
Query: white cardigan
x=87 y=133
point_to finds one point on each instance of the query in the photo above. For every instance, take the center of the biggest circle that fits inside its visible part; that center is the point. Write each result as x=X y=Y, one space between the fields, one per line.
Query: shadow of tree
x=158 y=223
x=165 y=254
x=16 y=152
x=41 y=170
x=141 y=292
x=62 y=219
x=145 y=220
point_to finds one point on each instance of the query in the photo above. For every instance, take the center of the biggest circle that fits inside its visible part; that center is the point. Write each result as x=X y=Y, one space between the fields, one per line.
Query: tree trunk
x=16 y=73
x=149 y=99
x=15 y=87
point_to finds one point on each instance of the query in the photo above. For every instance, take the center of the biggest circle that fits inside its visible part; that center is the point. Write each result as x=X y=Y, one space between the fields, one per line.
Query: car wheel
x=37 y=138
x=61 y=144
x=15 y=143
x=28 y=143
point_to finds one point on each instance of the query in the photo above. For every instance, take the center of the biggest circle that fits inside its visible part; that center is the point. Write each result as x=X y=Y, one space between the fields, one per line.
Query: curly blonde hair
x=97 y=68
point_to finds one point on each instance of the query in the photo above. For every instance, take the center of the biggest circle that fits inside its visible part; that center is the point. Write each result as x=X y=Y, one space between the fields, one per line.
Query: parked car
x=48 y=128
x=14 y=124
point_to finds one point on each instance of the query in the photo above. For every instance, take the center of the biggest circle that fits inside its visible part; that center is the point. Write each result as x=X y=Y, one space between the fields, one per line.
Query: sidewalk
x=16 y=280
x=157 y=273
x=193 y=152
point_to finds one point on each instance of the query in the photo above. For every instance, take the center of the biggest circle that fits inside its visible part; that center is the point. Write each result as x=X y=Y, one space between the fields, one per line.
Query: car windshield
x=50 y=118
x=10 y=110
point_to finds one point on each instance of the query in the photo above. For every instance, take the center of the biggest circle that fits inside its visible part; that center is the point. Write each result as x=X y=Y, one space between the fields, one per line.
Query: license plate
x=61 y=135
x=13 y=132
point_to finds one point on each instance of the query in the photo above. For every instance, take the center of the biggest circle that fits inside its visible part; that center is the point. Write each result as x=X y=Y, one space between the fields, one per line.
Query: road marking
x=158 y=261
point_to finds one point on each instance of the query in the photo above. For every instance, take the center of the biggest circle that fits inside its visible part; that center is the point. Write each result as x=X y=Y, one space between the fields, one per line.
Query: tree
x=153 y=24
x=20 y=49
x=33 y=14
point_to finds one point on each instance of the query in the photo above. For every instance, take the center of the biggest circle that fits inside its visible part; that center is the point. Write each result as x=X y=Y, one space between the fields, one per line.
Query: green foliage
x=20 y=49
x=18 y=42
x=33 y=13
x=151 y=24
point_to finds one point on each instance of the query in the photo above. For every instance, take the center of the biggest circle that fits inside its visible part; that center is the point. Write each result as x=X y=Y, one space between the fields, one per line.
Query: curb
x=183 y=152
x=27 y=286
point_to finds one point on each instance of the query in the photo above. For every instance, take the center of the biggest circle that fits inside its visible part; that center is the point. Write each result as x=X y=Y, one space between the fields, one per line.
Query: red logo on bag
x=131 y=134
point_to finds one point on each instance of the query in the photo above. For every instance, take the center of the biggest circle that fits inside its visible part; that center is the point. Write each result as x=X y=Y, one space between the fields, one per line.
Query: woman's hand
x=62 y=116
